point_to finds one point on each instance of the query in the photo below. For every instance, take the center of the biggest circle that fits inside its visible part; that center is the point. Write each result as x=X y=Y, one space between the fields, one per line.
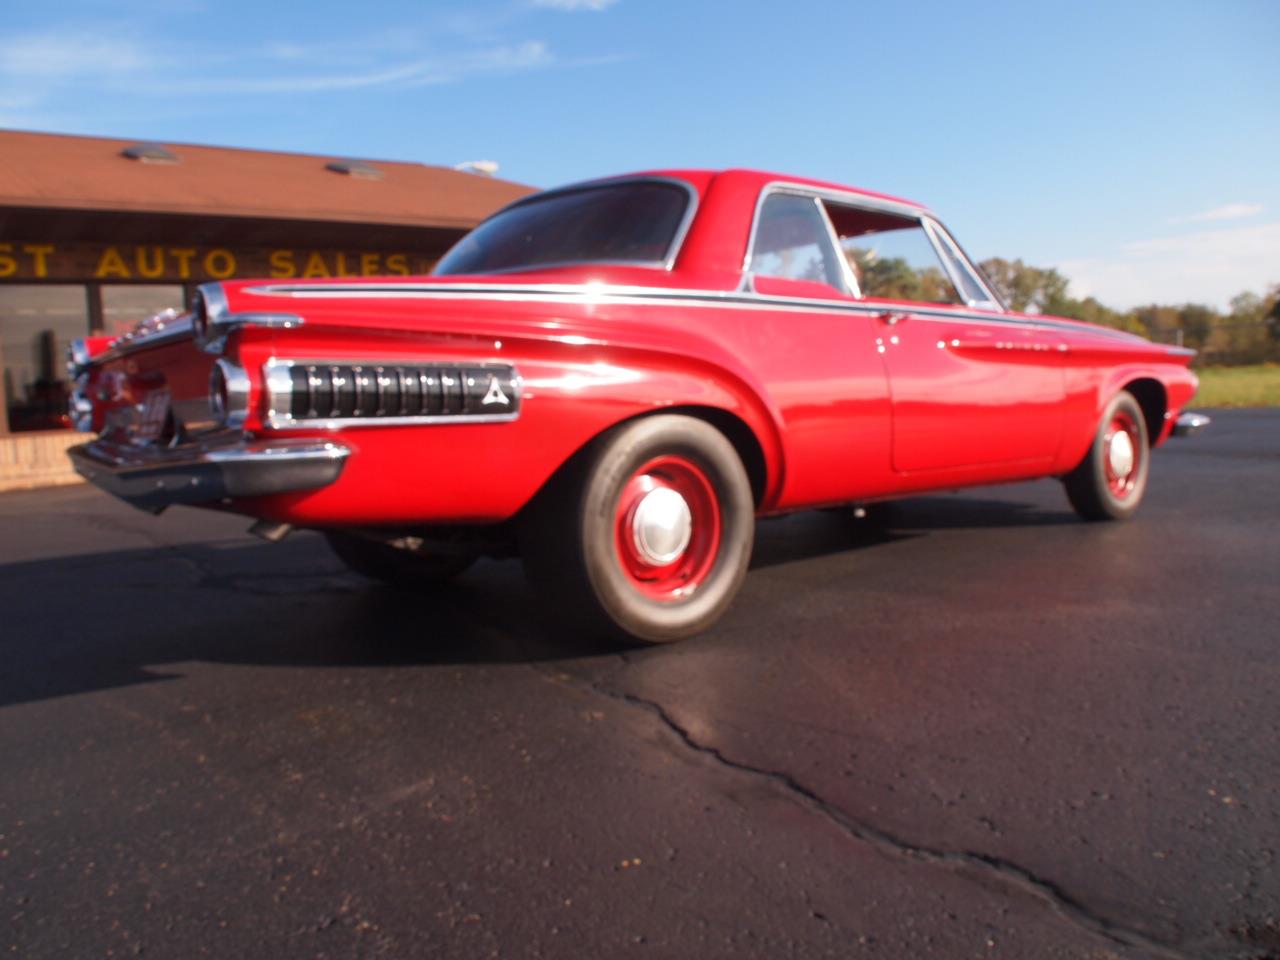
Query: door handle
x=892 y=317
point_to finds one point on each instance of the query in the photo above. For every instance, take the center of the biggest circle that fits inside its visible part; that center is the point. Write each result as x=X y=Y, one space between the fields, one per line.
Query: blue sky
x=1134 y=145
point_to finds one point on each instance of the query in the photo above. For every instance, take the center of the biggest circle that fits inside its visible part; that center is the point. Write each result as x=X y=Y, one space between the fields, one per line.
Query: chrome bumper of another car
x=152 y=478
x=1189 y=424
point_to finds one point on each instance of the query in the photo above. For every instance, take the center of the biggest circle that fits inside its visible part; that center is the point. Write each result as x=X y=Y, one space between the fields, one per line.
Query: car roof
x=749 y=180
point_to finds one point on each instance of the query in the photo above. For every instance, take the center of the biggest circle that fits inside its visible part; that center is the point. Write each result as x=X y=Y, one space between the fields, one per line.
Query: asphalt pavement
x=969 y=726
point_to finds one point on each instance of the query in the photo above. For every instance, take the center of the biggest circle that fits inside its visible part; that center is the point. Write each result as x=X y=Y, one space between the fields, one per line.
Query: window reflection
x=124 y=305
x=36 y=325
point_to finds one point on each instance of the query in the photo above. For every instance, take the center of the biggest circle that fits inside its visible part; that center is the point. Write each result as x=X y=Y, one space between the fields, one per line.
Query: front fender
x=1175 y=382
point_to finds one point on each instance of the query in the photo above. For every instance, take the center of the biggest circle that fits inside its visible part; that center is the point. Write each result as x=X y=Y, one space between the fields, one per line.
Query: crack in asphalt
x=1004 y=871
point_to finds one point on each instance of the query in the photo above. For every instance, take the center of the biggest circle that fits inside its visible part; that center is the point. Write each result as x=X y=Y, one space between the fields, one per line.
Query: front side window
x=628 y=222
x=891 y=256
x=792 y=242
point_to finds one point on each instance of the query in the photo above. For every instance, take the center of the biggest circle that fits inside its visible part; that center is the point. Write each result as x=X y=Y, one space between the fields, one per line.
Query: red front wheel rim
x=667 y=529
x=1122 y=455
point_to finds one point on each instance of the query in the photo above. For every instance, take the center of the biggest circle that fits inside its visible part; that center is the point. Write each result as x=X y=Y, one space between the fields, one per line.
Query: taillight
x=200 y=317
x=228 y=393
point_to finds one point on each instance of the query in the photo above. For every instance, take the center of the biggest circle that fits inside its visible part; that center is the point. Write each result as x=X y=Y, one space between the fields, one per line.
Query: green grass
x=1257 y=385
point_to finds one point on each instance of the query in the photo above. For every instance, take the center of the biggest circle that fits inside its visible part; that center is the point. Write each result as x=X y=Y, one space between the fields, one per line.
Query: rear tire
x=1111 y=479
x=647 y=535
x=396 y=566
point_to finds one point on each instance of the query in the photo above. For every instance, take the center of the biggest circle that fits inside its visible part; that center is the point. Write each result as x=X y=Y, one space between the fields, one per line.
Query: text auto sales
x=143 y=262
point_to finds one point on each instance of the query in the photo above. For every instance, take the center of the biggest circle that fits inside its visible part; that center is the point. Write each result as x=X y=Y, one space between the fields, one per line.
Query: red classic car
x=615 y=379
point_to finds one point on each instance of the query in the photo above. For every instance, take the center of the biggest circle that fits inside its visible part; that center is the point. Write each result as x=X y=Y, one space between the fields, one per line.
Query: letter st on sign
x=169 y=263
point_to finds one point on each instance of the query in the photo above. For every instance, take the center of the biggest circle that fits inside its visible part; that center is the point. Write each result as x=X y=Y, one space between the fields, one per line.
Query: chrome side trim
x=622 y=294
x=153 y=477
x=1189 y=424
x=279 y=388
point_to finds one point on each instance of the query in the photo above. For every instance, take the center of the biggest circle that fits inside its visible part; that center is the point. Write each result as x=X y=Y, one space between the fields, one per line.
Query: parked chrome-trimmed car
x=614 y=379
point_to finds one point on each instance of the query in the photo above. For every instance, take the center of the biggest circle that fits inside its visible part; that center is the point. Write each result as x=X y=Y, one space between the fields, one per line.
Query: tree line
x=1249 y=332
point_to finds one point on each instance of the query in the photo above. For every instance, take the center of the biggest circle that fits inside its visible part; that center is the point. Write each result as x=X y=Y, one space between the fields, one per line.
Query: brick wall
x=30 y=460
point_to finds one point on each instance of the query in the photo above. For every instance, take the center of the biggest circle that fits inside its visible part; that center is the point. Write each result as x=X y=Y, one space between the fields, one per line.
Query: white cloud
x=1209 y=266
x=1231 y=211
x=52 y=56
x=574 y=5
x=531 y=55
x=64 y=63
x=61 y=78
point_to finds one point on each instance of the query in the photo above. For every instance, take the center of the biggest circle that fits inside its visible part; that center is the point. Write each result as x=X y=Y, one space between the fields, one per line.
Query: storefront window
x=123 y=305
x=36 y=324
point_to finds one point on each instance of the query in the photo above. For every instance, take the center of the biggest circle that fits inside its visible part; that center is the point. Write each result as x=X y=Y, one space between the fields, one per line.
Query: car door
x=970 y=391
x=814 y=349
x=970 y=386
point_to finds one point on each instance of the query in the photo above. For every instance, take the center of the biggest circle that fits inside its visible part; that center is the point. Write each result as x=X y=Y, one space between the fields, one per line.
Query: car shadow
x=964 y=511
x=92 y=622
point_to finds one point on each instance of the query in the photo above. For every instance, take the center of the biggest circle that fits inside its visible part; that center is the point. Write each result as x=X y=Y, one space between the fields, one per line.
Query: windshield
x=630 y=222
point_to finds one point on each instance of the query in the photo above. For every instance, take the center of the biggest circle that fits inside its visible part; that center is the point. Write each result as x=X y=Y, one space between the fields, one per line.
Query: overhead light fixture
x=150 y=153
x=360 y=169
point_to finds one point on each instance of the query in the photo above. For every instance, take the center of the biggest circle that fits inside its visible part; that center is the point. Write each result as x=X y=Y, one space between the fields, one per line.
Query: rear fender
x=642 y=387
x=486 y=473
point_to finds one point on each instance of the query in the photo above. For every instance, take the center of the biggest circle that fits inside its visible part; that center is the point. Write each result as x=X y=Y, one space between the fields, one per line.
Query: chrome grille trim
x=331 y=394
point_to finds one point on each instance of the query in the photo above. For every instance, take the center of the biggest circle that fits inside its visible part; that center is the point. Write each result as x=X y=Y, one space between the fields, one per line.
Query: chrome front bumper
x=152 y=478
x=1189 y=424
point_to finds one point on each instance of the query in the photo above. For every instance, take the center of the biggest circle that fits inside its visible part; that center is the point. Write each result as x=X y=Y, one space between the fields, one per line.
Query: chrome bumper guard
x=1189 y=424
x=152 y=478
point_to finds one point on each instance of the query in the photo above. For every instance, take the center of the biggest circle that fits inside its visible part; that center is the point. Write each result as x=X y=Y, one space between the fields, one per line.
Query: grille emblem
x=331 y=394
x=495 y=394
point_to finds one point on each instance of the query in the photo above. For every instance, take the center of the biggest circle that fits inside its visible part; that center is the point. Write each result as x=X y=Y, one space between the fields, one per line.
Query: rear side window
x=891 y=256
x=792 y=242
x=629 y=222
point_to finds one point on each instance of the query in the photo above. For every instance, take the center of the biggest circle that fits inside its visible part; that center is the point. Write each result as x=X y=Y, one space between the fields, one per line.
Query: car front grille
x=308 y=392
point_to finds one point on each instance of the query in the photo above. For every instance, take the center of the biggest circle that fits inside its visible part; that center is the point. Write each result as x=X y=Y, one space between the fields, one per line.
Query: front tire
x=1111 y=479
x=648 y=536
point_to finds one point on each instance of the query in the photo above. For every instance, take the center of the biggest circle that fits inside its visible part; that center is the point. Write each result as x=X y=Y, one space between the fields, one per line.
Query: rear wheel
x=397 y=566
x=649 y=535
x=1111 y=479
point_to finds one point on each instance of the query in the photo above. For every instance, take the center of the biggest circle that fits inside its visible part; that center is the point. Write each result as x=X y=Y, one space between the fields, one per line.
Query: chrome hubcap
x=662 y=525
x=1120 y=453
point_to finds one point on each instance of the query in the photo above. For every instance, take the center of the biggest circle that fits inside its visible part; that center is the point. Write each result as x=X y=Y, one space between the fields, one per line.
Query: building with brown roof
x=98 y=233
